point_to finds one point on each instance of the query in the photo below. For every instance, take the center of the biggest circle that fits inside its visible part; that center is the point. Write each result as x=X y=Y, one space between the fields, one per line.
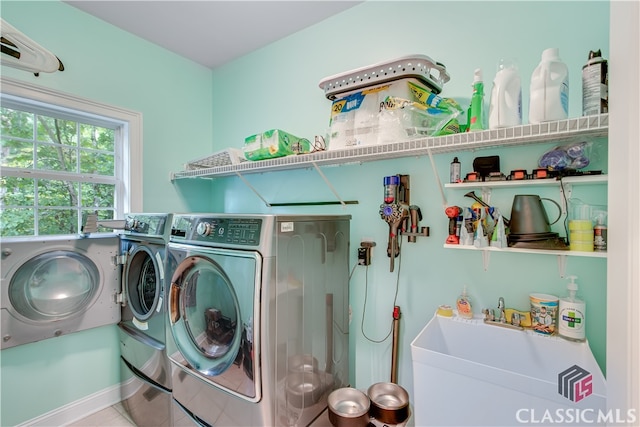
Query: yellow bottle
x=463 y=304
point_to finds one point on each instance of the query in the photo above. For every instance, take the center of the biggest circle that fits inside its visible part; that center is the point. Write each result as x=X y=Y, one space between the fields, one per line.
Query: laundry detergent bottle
x=549 y=90
x=571 y=319
x=505 y=106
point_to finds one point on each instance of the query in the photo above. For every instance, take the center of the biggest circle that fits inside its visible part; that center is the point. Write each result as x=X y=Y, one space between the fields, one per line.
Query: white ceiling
x=212 y=32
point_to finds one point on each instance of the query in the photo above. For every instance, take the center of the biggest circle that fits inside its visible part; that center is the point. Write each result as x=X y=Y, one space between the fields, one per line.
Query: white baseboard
x=79 y=409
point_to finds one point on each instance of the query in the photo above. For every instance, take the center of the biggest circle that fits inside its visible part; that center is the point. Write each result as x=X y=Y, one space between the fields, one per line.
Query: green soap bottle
x=476 y=116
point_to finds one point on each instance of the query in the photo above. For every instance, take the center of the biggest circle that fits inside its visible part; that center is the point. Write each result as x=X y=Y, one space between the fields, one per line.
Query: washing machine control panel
x=236 y=231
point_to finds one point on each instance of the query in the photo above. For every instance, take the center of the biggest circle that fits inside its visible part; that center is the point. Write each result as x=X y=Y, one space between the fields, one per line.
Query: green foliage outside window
x=71 y=173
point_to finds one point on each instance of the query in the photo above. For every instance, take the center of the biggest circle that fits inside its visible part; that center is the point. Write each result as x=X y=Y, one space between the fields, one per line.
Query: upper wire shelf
x=568 y=130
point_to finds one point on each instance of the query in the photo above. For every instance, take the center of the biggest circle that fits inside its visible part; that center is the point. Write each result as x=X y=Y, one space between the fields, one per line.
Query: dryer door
x=54 y=286
x=211 y=312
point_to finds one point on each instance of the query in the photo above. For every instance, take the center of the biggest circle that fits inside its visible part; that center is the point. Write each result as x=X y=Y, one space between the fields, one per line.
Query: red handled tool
x=452 y=213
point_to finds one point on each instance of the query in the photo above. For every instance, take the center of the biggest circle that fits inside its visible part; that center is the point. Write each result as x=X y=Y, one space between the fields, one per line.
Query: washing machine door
x=54 y=286
x=205 y=309
x=143 y=277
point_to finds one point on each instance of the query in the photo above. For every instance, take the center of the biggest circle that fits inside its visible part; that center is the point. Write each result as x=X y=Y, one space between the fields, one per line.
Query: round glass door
x=143 y=283
x=54 y=286
x=205 y=315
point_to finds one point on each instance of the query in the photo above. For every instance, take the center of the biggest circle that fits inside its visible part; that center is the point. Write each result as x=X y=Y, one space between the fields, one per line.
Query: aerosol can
x=595 y=85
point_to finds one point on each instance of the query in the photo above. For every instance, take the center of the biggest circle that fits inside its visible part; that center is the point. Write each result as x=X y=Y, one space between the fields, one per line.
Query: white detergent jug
x=549 y=91
x=505 y=107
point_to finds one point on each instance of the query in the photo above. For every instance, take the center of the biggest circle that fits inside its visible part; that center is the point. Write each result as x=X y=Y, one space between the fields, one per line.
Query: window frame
x=129 y=157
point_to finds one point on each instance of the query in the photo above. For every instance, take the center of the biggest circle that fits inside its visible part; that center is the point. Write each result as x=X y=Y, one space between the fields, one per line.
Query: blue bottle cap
x=391 y=180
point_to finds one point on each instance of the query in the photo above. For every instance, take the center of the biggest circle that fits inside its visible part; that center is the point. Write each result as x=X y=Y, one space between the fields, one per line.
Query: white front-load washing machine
x=258 y=317
x=146 y=382
x=53 y=286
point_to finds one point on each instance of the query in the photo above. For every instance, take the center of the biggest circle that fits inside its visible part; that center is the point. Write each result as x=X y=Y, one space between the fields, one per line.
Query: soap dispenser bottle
x=463 y=305
x=572 y=314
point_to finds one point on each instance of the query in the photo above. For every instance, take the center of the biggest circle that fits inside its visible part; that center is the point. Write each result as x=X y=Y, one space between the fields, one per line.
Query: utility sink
x=468 y=373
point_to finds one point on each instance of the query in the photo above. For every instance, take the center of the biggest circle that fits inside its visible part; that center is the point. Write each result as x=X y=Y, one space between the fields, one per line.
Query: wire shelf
x=558 y=131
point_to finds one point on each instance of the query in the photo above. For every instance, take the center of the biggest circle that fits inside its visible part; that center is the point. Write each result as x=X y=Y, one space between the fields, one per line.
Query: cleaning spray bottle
x=463 y=305
x=476 y=110
x=571 y=319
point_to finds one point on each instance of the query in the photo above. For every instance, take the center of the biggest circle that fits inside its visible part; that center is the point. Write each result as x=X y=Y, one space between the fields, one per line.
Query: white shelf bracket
x=486 y=195
x=437 y=176
x=562 y=265
x=485 y=259
x=565 y=195
x=326 y=180
x=253 y=189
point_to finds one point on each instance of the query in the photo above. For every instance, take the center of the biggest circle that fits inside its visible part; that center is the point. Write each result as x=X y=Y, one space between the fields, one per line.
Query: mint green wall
x=277 y=87
x=42 y=376
x=107 y=65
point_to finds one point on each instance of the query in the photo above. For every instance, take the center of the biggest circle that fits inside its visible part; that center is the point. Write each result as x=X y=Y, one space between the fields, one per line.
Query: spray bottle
x=571 y=319
x=476 y=110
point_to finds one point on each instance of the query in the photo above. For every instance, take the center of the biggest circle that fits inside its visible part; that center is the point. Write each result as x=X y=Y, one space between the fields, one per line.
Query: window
x=63 y=157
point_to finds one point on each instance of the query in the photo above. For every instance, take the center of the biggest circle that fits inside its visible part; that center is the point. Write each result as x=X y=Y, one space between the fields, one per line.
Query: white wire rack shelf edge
x=558 y=131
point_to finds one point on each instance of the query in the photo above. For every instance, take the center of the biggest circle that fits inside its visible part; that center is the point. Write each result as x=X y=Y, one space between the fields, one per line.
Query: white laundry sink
x=468 y=373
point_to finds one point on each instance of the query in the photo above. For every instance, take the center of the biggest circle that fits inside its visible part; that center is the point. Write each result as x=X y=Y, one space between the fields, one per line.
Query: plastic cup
x=544 y=313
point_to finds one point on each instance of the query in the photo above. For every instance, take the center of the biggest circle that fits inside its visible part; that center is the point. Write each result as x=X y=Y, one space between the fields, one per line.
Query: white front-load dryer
x=53 y=286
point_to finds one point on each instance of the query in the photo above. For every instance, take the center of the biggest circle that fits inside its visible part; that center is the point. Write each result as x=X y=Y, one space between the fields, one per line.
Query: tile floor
x=113 y=416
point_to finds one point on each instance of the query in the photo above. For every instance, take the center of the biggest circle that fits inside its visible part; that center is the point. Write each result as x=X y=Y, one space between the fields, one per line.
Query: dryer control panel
x=209 y=231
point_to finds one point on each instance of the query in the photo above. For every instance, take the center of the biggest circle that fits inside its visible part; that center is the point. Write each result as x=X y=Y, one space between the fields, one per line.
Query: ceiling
x=212 y=32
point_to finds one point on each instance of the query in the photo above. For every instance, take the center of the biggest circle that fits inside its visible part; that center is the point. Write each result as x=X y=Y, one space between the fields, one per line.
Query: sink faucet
x=502 y=317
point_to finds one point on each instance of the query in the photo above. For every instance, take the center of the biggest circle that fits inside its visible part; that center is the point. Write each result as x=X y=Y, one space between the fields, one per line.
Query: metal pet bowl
x=389 y=403
x=302 y=363
x=348 y=407
x=303 y=389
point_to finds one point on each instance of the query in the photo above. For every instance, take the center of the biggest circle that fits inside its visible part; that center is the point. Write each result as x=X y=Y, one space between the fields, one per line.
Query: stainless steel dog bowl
x=348 y=407
x=302 y=363
x=303 y=389
x=389 y=403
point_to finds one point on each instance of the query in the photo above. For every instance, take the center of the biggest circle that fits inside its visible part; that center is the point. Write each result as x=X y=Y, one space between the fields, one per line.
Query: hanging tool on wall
x=396 y=211
x=415 y=214
x=394 y=214
x=395 y=344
